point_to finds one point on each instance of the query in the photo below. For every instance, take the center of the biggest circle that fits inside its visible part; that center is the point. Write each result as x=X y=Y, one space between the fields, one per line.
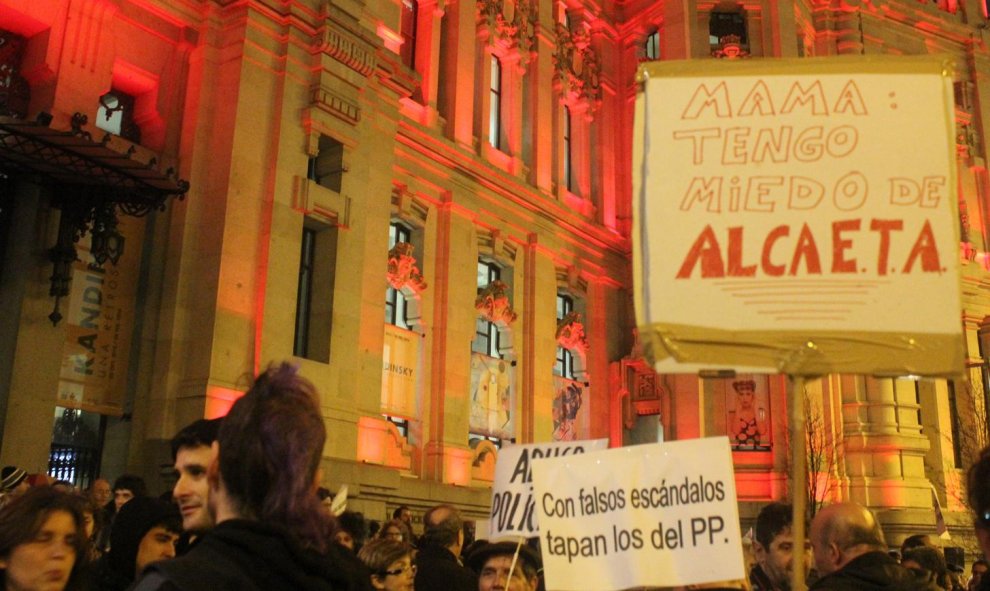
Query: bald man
x=850 y=553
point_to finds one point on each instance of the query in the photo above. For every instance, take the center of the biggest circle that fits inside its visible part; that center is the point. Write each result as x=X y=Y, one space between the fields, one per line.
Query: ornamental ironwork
x=91 y=184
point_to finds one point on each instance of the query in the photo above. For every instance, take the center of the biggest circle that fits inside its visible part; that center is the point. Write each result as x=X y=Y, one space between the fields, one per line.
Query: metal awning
x=91 y=181
x=73 y=158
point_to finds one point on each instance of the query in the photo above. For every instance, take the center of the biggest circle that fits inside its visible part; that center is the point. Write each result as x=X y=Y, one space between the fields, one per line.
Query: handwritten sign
x=798 y=216
x=654 y=515
x=512 y=492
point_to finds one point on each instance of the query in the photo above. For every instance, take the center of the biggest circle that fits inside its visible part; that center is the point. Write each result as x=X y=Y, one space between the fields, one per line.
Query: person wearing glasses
x=393 y=530
x=390 y=563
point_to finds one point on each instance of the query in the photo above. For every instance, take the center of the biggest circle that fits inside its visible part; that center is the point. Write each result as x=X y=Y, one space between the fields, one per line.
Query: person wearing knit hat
x=144 y=531
x=13 y=480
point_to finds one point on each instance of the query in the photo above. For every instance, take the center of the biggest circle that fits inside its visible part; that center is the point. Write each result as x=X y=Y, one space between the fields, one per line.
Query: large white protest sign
x=512 y=492
x=653 y=515
x=798 y=216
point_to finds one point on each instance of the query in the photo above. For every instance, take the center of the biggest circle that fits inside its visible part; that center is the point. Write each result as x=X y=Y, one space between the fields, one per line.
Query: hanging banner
x=400 y=371
x=656 y=515
x=798 y=216
x=513 y=507
x=570 y=410
x=99 y=326
x=492 y=400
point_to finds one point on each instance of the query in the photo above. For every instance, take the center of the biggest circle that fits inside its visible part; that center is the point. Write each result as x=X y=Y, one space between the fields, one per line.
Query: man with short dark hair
x=851 y=554
x=773 y=549
x=192 y=454
x=978 y=570
x=439 y=568
x=493 y=562
x=271 y=531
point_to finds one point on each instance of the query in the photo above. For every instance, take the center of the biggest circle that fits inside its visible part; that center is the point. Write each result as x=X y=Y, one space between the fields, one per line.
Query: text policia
x=785 y=249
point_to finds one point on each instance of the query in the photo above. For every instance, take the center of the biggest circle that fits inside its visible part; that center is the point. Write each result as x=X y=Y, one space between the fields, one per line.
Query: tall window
x=495 y=106
x=568 y=174
x=395 y=301
x=564 y=367
x=314 y=294
x=407 y=28
x=486 y=340
x=651 y=49
x=722 y=24
x=115 y=114
x=954 y=420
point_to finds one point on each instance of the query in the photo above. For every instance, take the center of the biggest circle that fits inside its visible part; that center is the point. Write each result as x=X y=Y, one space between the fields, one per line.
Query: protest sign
x=798 y=216
x=512 y=491
x=654 y=515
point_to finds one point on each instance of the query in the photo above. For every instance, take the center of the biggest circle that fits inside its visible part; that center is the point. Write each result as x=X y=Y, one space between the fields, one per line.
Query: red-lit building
x=426 y=205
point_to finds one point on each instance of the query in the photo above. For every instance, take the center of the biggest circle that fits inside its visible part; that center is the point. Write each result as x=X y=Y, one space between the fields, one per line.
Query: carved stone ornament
x=570 y=333
x=730 y=48
x=516 y=33
x=493 y=304
x=577 y=69
x=402 y=269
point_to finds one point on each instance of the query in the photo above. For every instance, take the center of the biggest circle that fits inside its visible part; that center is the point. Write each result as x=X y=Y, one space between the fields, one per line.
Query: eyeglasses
x=398 y=571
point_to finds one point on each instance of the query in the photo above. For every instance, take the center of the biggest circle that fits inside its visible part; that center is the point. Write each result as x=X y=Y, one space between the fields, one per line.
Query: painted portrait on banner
x=492 y=400
x=748 y=412
x=570 y=410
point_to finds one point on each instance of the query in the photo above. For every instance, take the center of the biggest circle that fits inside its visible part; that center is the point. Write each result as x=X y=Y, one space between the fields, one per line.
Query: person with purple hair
x=271 y=531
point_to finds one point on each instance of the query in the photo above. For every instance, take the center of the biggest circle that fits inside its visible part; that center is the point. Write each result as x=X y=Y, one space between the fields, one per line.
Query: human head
x=42 y=541
x=127 y=487
x=842 y=532
x=394 y=530
x=192 y=454
x=144 y=530
x=352 y=530
x=493 y=561
x=100 y=491
x=13 y=481
x=930 y=560
x=403 y=513
x=978 y=491
x=745 y=392
x=978 y=571
x=390 y=563
x=916 y=541
x=773 y=545
x=442 y=527
x=270 y=447
x=92 y=516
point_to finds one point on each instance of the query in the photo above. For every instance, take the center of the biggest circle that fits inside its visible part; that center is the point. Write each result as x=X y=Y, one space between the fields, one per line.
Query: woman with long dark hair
x=43 y=544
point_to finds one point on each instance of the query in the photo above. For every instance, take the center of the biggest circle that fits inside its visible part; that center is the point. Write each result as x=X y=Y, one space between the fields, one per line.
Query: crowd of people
x=247 y=513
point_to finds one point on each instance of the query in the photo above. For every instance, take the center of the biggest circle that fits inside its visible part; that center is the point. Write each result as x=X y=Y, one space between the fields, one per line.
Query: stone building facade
x=425 y=204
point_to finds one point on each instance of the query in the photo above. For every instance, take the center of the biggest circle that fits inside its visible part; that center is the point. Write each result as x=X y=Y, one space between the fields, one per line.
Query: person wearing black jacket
x=850 y=554
x=438 y=565
x=271 y=533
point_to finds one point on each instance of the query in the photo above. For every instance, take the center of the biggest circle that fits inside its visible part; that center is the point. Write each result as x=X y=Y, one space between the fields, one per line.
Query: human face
x=398 y=576
x=826 y=554
x=495 y=576
x=746 y=399
x=393 y=533
x=100 y=491
x=778 y=560
x=345 y=539
x=44 y=562
x=89 y=524
x=406 y=516
x=192 y=489
x=121 y=496
x=157 y=544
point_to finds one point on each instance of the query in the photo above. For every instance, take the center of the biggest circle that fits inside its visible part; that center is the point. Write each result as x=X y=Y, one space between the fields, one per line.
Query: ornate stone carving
x=353 y=48
x=493 y=304
x=516 y=33
x=570 y=333
x=730 y=47
x=577 y=69
x=402 y=269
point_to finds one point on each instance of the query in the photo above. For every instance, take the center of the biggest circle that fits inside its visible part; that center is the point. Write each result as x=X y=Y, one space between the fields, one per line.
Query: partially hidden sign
x=655 y=515
x=798 y=216
x=513 y=508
